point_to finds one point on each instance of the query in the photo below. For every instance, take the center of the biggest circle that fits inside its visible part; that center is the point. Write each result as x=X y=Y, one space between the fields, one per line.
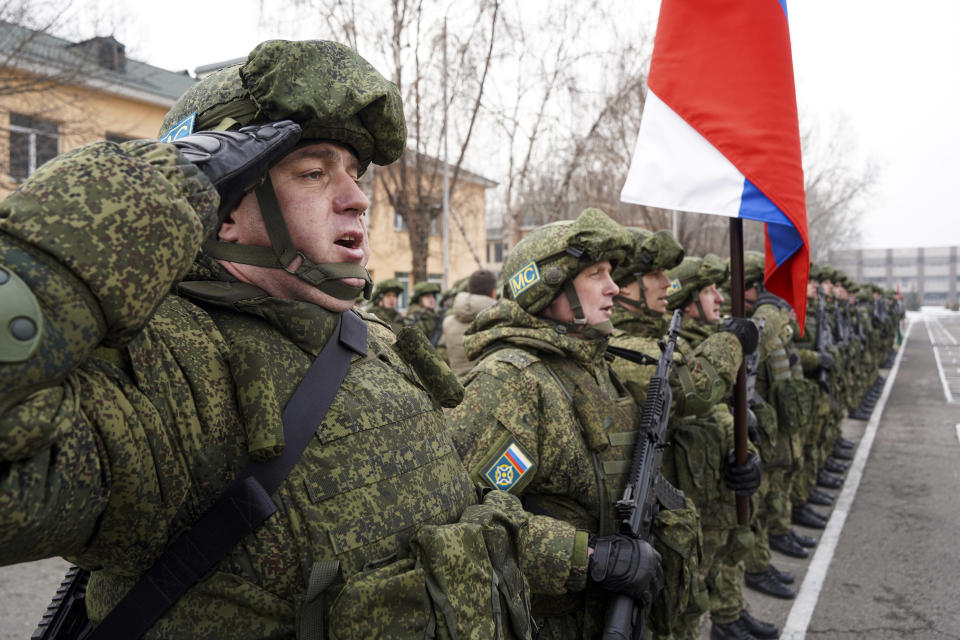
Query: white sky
x=882 y=72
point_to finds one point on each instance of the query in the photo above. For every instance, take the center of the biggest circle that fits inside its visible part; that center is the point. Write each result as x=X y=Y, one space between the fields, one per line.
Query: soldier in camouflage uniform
x=779 y=402
x=143 y=375
x=700 y=378
x=422 y=312
x=543 y=418
x=700 y=458
x=383 y=304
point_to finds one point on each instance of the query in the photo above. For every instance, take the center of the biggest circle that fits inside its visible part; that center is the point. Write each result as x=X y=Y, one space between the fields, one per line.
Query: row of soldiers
x=192 y=412
x=799 y=390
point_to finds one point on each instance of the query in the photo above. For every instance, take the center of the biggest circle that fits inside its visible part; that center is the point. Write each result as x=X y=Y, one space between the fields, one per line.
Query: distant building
x=390 y=241
x=930 y=272
x=56 y=95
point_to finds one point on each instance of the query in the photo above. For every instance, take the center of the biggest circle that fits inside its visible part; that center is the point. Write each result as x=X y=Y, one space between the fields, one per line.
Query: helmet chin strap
x=281 y=254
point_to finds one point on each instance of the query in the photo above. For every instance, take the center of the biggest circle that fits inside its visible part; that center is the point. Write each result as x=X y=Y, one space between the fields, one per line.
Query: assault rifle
x=66 y=616
x=823 y=376
x=646 y=489
x=752 y=363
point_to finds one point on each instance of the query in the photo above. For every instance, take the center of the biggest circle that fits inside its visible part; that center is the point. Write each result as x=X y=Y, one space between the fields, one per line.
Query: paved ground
x=888 y=564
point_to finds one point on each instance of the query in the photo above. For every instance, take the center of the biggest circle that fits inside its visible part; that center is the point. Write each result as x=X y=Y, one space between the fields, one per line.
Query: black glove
x=626 y=565
x=744 y=480
x=746 y=332
x=235 y=160
x=753 y=425
x=826 y=361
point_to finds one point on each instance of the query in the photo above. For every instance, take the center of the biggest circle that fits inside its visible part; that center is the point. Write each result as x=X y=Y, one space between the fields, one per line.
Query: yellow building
x=56 y=95
x=390 y=242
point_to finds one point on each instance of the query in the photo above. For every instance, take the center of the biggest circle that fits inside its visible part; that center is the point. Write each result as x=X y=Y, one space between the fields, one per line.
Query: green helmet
x=422 y=288
x=692 y=275
x=386 y=286
x=753 y=268
x=334 y=95
x=546 y=261
x=651 y=251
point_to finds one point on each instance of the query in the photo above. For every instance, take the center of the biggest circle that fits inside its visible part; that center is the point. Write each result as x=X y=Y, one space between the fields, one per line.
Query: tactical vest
x=381 y=467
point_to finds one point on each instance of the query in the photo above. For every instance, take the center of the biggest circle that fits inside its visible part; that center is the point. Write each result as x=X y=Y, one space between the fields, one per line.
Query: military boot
x=828 y=480
x=804 y=541
x=833 y=465
x=788 y=546
x=766 y=582
x=822 y=498
x=758 y=628
x=807 y=516
x=783 y=576
x=735 y=630
x=843 y=453
x=844 y=443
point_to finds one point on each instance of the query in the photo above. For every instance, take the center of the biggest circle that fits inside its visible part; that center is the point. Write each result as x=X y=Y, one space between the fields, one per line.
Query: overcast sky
x=883 y=73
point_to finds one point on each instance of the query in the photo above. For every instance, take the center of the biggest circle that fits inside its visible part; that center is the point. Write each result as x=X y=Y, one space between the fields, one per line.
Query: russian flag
x=719 y=132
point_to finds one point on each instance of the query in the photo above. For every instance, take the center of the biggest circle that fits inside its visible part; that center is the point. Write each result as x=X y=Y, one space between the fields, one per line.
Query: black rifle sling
x=246 y=502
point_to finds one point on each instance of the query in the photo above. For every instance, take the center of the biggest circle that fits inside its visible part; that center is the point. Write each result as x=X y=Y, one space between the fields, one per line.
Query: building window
x=436 y=224
x=33 y=141
x=404 y=278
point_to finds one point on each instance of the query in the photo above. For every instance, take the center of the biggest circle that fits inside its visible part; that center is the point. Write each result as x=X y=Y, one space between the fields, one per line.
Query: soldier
x=543 y=418
x=480 y=293
x=700 y=379
x=778 y=400
x=422 y=312
x=143 y=377
x=700 y=458
x=383 y=304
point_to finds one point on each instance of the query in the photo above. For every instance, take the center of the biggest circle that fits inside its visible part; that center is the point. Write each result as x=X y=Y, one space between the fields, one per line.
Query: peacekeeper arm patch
x=526 y=277
x=674 y=286
x=509 y=468
x=182 y=129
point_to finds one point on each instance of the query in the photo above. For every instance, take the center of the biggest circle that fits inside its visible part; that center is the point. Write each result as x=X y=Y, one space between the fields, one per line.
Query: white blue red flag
x=719 y=132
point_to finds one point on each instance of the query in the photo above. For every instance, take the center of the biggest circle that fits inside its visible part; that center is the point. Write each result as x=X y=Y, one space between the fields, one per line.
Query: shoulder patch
x=526 y=277
x=509 y=467
x=182 y=129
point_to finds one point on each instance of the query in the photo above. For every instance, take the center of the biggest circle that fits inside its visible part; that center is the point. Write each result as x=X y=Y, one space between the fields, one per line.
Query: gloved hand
x=626 y=565
x=826 y=361
x=744 y=480
x=235 y=160
x=746 y=332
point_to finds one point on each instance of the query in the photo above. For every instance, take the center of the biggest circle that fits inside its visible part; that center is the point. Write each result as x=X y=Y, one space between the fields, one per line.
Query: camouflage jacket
x=139 y=406
x=700 y=377
x=427 y=320
x=545 y=401
x=392 y=317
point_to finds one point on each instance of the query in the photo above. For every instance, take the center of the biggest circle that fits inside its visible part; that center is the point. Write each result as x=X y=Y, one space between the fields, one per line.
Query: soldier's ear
x=232 y=229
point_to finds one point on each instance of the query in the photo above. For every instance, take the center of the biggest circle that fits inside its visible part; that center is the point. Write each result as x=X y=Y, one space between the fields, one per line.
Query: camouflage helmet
x=325 y=87
x=422 y=288
x=753 y=269
x=334 y=95
x=386 y=286
x=539 y=267
x=650 y=251
x=692 y=275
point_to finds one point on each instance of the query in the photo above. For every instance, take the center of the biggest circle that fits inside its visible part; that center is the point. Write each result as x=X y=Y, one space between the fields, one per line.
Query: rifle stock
x=638 y=507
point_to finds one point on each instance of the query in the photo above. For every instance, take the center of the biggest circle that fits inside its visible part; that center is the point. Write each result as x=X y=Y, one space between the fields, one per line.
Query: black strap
x=632 y=355
x=246 y=502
